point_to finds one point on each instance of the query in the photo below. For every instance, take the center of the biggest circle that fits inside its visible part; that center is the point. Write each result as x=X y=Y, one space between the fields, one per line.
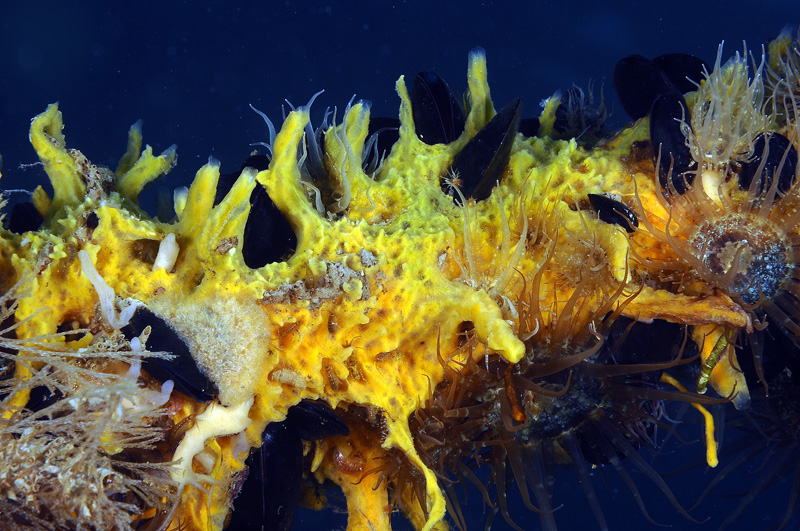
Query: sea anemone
x=745 y=244
x=746 y=247
x=521 y=420
x=734 y=230
x=726 y=116
x=580 y=116
x=586 y=393
x=783 y=77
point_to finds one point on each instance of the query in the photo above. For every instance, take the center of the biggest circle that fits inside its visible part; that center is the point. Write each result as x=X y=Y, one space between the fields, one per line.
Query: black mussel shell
x=23 y=218
x=270 y=494
x=676 y=162
x=226 y=180
x=438 y=117
x=683 y=70
x=282 y=461
x=268 y=235
x=92 y=221
x=614 y=212
x=181 y=369
x=314 y=419
x=42 y=397
x=781 y=157
x=638 y=82
x=482 y=162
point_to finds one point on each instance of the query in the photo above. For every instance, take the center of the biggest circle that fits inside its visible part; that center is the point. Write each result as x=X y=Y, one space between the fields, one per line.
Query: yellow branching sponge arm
x=133 y=149
x=481 y=106
x=711 y=443
x=146 y=169
x=200 y=200
x=48 y=141
x=283 y=177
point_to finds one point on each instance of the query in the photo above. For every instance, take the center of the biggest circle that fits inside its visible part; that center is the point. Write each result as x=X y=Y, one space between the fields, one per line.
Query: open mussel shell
x=640 y=81
x=684 y=71
x=314 y=419
x=482 y=162
x=23 y=218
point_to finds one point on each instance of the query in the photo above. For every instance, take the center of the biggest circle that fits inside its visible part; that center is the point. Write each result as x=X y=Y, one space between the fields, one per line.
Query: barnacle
x=484 y=309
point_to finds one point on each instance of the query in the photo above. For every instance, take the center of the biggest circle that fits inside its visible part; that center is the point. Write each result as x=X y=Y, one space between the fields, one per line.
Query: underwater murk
x=374 y=314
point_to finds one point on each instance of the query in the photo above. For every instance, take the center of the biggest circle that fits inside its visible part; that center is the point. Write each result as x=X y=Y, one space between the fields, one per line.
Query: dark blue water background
x=190 y=69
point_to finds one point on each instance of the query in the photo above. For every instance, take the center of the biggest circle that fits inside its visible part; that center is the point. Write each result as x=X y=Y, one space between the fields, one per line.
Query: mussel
x=482 y=162
x=438 y=116
x=675 y=165
x=270 y=493
x=268 y=236
x=614 y=212
x=181 y=369
x=773 y=156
